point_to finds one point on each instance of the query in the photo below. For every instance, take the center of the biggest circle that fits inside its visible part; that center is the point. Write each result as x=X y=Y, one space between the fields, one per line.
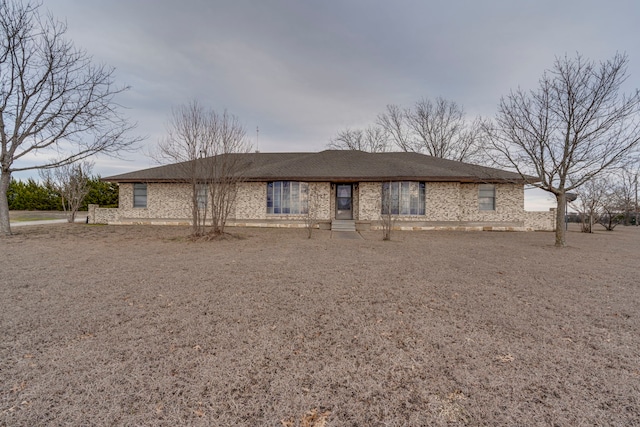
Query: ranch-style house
x=344 y=188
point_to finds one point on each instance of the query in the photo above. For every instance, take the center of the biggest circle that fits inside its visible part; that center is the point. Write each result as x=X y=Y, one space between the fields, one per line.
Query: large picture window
x=287 y=197
x=403 y=198
x=139 y=195
x=487 y=197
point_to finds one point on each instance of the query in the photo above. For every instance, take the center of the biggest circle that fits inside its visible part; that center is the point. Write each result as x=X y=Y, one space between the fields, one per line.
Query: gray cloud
x=302 y=70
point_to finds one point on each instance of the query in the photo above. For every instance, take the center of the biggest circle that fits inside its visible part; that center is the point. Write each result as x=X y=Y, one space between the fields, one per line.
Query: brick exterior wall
x=540 y=221
x=369 y=201
x=509 y=203
x=320 y=200
x=251 y=201
x=443 y=201
x=164 y=201
x=449 y=201
x=447 y=204
x=98 y=215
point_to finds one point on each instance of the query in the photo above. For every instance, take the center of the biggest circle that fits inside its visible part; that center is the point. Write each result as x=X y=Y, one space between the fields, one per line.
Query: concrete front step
x=343 y=225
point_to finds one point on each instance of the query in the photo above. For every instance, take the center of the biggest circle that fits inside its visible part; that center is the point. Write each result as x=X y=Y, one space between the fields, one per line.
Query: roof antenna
x=257 y=141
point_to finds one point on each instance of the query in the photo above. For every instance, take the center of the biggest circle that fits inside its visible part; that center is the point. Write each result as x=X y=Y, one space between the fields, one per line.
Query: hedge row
x=31 y=195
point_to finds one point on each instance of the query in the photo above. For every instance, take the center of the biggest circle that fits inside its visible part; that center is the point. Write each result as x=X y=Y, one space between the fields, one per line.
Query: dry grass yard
x=105 y=325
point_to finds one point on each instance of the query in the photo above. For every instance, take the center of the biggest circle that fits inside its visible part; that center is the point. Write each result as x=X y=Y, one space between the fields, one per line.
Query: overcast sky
x=303 y=70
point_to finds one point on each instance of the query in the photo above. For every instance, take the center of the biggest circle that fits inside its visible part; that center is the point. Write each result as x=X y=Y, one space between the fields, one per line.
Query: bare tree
x=625 y=190
x=373 y=139
x=394 y=123
x=618 y=201
x=589 y=202
x=438 y=128
x=54 y=101
x=387 y=218
x=205 y=145
x=71 y=181
x=224 y=167
x=574 y=127
x=611 y=215
x=607 y=200
x=441 y=130
x=187 y=141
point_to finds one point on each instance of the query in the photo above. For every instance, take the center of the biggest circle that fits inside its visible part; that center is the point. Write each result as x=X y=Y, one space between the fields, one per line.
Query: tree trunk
x=560 y=220
x=195 y=211
x=5 y=227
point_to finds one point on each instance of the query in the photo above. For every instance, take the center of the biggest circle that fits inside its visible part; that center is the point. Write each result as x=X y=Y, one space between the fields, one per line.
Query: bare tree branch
x=373 y=139
x=71 y=181
x=393 y=122
x=591 y=197
x=441 y=130
x=56 y=105
x=204 y=144
x=574 y=127
x=438 y=128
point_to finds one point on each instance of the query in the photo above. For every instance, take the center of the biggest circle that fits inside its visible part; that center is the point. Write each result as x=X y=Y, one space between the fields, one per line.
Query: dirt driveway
x=106 y=325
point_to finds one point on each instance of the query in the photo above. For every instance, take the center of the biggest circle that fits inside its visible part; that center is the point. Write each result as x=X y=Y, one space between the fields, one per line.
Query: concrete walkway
x=79 y=219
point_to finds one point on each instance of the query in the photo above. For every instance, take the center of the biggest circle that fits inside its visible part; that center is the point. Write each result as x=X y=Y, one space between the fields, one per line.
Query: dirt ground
x=117 y=325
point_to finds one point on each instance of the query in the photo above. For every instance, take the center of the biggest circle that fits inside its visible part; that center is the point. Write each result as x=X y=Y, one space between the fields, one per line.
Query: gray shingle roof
x=335 y=166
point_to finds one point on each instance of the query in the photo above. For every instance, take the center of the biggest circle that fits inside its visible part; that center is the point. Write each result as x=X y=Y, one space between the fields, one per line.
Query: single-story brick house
x=422 y=192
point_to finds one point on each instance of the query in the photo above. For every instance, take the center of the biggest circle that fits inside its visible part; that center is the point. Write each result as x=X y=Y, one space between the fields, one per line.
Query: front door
x=344 y=201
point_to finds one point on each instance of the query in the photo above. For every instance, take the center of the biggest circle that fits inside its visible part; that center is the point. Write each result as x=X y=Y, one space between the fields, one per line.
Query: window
x=403 y=198
x=139 y=195
x=201 y=195
x=487 y=197
x=287 y=197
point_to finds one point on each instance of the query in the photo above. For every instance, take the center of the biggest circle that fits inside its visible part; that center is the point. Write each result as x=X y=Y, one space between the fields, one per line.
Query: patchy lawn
x=105 y=325
x=20 y=216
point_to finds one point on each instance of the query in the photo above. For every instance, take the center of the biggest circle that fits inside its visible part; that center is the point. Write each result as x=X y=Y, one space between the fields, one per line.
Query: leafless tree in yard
x=574 y=127
x=625 y=190
x=373 y=139
x=607 y=200
x=224 y=166
x=619 y=199
x=205 y=145
x=187 y=141
x=71 y=181
x=387 y=218
x=610 y=216
x=54 y=101
x=438 y=128
x=589 y=202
